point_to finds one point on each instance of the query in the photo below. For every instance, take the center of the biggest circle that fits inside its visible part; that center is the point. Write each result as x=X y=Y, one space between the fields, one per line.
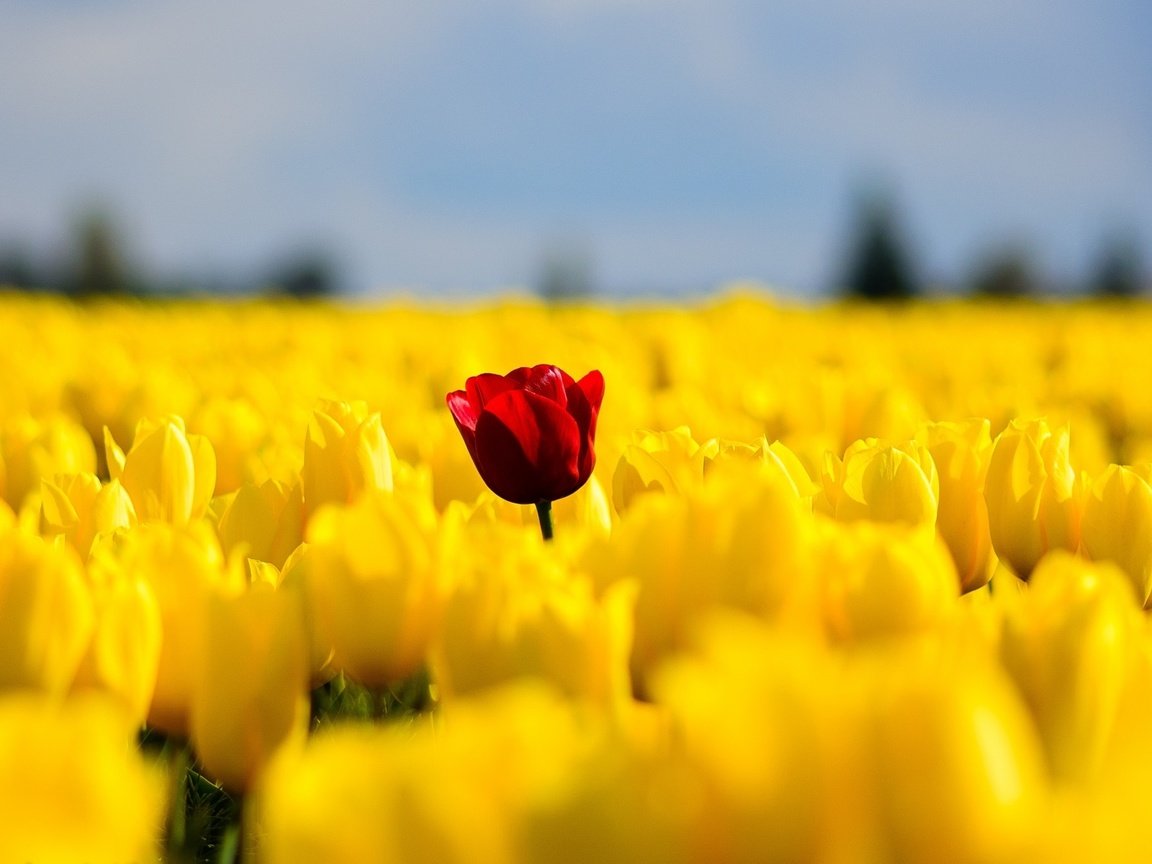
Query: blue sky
x=679 y=143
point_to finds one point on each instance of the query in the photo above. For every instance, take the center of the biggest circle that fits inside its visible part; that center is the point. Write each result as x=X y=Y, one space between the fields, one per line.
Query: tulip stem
x=179 y=761
x=233 y=848
x=544 y=511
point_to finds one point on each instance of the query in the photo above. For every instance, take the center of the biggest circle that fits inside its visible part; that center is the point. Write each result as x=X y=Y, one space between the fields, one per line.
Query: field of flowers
x=846 y=585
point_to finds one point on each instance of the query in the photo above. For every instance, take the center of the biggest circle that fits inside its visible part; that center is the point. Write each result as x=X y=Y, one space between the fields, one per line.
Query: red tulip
x=530 y=432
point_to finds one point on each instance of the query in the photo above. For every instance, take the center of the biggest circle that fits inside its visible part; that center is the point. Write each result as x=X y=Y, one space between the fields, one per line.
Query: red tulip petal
x=528 y=448
x=549 y=381
x=593 y=386
x=462 y=410
x=465 y=417
x=584 y=400
x=481 y=389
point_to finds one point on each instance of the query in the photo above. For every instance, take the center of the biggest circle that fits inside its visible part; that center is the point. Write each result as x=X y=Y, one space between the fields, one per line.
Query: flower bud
x=345 y=454
x=77 y=789
x=373 y=585
x=31 y=450
x=960 y=452
x=179 y=565
x=668 y=462
x=266 y=520
x=1032 y=493
x=1117 y=525
x=45 y=616
x=79 y=508
x=514 y=609
x=884 y=580
x=123 y=655
x=237 y=430
x=250 y=695
x=881 y=483
x=1069 y=642
x=958 y=770
x=169 y=475
x=749 y=535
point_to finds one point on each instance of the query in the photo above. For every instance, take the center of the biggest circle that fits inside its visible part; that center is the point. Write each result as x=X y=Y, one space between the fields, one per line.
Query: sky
x=452 y=147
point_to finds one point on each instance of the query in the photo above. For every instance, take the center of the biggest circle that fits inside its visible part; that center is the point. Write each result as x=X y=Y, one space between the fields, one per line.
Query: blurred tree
x=1119 y=270
x=99 y=268
x=878 y=263
x=565 y=273
x=17 y=269
x=1004 y=274
x=309 y=275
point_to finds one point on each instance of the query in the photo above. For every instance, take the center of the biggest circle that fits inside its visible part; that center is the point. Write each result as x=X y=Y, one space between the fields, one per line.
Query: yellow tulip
x=345 y=454
x=297 y=575
x=78 y=507
x=179 y=565
x=453 y=793
x=45 y=614
x=250 y=693
x=1070 y=643
x=32 y=449
x=238 y=431
x=1032 y=493
x=514 y=609
x=759 y=773
x=884 y=580
x=74 y=787
x=961 y=452
x=123 y=655
x=668 y=462
x=1117 y=524
x=881 y=483
x=959 y=775
x=169 y=475
x=373 y=585
x=776 y=459
x=266 y=521
x=738 y=542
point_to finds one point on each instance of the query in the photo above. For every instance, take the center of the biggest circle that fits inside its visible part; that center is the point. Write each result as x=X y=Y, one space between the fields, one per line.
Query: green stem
x=231 y=844
x=544 y=511
x=179 y=760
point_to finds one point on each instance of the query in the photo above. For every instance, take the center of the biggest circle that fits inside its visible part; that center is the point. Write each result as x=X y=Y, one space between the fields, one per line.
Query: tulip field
x=724 y=581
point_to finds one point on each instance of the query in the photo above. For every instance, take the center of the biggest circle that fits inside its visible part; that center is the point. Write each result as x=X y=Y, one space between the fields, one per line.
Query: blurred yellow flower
x=373 y=584
x=179 y=565
x=1070 y=643
x=32 y=449
x=1033 y=494
x=515 y=609
x=169 y=475
x=266 y=521
x=1117 y=524
x=882 y=483
x=884 y=580
x=960 y=452
x=668 y=462
x=79 y=508
x=250 y=693
x=345 y=454
x=46 y=614
x=74 y=787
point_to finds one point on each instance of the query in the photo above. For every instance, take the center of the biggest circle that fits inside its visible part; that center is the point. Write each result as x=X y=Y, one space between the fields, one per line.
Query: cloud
x=442 y=142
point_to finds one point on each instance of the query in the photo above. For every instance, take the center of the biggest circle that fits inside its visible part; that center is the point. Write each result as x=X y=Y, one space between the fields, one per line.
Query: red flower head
x=530 y=432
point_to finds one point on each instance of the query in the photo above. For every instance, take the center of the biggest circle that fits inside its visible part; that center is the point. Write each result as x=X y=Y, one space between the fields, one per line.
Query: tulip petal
x=462 y=410
x=483 y=388
x=551 y=382
x=528 y=448
x=584 y=405
x=593 y=386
